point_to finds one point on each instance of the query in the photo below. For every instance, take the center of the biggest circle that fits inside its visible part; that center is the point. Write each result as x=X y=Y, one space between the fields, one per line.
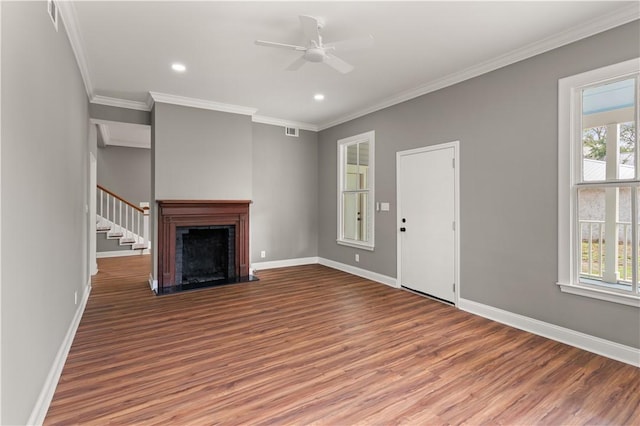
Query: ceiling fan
x=317 y=51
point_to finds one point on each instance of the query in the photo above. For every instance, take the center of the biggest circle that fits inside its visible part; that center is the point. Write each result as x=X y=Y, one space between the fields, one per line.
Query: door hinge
x=453 y=225
x=453 y=163
x=454 y=287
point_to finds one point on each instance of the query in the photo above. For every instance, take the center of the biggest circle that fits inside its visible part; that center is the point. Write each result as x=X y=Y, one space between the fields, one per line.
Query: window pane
x=605 y=231
x=363 y=217
x=608 y=131
x=363 y=155
x=351 y=169
x=349 y=214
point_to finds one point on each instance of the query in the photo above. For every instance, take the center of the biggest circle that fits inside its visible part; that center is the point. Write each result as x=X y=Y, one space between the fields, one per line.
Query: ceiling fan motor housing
x=315 y=54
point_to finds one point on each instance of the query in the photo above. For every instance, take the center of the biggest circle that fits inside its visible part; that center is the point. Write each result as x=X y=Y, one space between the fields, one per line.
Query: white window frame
x=569 y=157
x=342 y=149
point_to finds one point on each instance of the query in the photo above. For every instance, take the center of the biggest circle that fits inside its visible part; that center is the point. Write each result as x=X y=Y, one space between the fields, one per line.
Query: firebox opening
x=205 y=254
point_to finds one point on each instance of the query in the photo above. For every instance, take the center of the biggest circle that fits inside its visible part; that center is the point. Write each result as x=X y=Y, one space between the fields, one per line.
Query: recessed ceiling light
x=178 y=67
x=318 y=97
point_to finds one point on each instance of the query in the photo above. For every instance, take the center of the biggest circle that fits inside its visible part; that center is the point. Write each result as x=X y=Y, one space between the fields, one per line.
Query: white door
x=426 y=216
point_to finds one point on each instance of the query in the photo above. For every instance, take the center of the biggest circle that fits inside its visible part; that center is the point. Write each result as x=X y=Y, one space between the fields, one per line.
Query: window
x=599 y=184
x=355 y=191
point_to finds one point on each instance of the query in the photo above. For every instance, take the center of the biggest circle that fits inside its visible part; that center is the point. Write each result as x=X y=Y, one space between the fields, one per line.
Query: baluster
x=120 y=216
x=590 y=248
x=601 y=249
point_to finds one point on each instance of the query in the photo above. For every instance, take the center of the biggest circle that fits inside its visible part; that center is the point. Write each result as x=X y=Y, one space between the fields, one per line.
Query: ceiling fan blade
x=338 y=64
x=295 y=65
x=351 y=44
x=310 y=28
x=280 y=45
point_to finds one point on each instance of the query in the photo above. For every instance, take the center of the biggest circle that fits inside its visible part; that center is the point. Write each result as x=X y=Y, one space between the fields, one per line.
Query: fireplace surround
x=216 y=230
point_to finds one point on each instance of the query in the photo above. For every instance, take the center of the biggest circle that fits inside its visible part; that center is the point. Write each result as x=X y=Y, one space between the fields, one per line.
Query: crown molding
x=105 y=134
x=284 y=123
x=130 y=144
x=619 y=17
x=120 y=103
x=67 y=11
x=200 y=103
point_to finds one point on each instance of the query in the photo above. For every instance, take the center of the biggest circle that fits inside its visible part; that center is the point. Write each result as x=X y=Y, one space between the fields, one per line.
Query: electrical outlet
x=263 y=254
x=75 y=297
x=357 y=257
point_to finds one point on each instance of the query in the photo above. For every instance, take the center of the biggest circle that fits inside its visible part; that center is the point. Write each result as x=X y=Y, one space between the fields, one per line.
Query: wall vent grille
x=291 y=131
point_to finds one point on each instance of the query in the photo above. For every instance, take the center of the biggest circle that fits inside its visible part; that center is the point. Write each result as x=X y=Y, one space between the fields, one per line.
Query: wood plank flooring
x=312 y=345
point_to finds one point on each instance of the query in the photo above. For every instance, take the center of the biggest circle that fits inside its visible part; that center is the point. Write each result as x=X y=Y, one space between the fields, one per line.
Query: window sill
x=602 y=294
x=355 y=245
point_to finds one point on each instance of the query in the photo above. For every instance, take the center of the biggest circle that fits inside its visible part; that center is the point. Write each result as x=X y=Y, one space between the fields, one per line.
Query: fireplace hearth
x=202 y=244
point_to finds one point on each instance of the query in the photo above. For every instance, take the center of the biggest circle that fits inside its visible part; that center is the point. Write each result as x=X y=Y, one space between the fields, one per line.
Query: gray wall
x=124 y=115
x=284 y=212
x=201 y=154
x=125 y=171
x=44 y=193
x=507 y=125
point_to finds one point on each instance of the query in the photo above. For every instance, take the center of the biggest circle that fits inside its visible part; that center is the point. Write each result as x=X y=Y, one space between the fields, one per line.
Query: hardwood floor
x=312 y=345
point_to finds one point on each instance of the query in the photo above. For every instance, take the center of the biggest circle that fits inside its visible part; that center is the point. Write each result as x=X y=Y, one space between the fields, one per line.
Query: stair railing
x=124 y=217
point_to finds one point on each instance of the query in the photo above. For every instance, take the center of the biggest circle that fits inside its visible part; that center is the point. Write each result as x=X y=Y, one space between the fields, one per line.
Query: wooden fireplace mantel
x=177 y=213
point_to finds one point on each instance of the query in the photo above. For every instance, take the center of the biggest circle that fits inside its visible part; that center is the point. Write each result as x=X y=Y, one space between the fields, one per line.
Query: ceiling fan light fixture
x=177 y=67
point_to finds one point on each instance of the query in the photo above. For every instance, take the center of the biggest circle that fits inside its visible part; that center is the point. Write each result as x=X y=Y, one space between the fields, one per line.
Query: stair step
x=114 y=235
x=103 y=228
x=127 y=241
x=138 y=246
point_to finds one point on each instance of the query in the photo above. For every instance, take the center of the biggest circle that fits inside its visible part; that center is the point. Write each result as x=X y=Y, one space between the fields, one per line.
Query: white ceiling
x=125 y=49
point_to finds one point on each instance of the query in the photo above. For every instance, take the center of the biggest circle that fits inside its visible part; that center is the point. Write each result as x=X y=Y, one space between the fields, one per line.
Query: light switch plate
x=384 y=207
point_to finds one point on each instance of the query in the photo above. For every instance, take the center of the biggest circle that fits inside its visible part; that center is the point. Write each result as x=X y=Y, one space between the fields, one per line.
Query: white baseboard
x=373 y=276
x=153 y=283
x=283 y=263
x=623 y=353
x=41 y=407
x=119 y=253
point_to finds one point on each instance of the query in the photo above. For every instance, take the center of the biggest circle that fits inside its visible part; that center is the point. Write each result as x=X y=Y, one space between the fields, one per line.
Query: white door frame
x=456 y=156
x=93 y=265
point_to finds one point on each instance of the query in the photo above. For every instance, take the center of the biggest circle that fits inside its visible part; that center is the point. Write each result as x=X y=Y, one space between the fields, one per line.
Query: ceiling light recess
x=318 y=97
x=177 y=67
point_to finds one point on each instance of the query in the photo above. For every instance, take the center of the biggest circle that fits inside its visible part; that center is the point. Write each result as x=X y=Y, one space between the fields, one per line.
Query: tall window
x=599 y=173
x=355 y=191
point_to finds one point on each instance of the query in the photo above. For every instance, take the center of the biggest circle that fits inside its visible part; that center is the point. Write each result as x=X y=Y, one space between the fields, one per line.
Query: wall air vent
x=52 y=8
x=291 y=131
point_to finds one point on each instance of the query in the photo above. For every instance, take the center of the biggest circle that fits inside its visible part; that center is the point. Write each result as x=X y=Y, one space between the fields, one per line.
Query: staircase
x=119 y=220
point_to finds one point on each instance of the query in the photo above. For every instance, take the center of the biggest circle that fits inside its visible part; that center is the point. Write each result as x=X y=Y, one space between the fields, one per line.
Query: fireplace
x=202 y=244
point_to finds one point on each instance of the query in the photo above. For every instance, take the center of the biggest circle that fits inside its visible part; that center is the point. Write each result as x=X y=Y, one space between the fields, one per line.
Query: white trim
x=373 y=276
x=602 y=294
x=200 y=103
x=46 y=394
x=569 y=173
x=613 y=350
x=603 y=23
x=263 y=119
x=153 y=284
x=456 y=200
x=0 y=210
x=67 y=12
x=257 y=266
x=121 y=253
x=104 y=133
x=120 y=103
